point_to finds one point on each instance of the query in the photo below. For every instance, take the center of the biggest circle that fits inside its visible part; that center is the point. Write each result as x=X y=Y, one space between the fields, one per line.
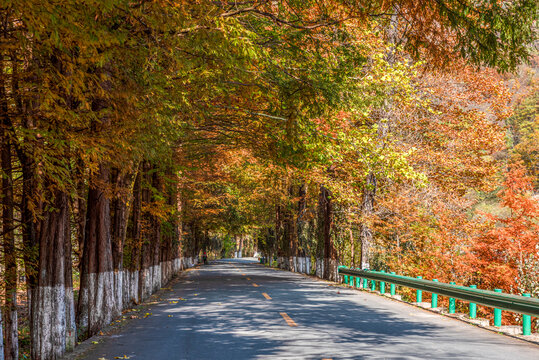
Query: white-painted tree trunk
x=11 y=332
x=82 y=306
x=102 y=300
x=71 y=327
x=118 y=293
x=156 y=278
x=52 y=309
x=124 y=301
x=319 y=268
x=49 y=323
x=333 y=273
x=133 y=287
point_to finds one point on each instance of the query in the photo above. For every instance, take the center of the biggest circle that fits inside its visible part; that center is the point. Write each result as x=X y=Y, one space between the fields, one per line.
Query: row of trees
x=136 y=133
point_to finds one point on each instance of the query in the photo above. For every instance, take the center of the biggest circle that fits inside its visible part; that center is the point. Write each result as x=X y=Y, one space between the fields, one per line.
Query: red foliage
x=512 y=239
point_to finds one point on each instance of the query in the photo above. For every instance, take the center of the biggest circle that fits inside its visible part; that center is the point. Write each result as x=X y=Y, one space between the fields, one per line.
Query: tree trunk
x=50 y=310
x=179 y=227
x=1 y=338
x=291 y=230
x=71 y=327
x=97 y=277
x=155 y=222
x=367 y=206
x=145 y=277
x=240 y=247
x=325 y=227
x=80 y=208
x=135 y=243
x=119 y=232
x=28 y=202
x=11 y=350
x=301 y=222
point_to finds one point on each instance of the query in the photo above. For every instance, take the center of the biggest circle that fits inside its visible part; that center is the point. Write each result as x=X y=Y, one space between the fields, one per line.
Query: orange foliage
x=512 y=240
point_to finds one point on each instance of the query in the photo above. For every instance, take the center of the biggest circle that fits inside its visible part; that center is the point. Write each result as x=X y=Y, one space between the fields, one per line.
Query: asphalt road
x=224 y=314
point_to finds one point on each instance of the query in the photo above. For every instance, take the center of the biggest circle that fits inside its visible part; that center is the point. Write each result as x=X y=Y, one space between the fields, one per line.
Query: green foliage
x=524 y=132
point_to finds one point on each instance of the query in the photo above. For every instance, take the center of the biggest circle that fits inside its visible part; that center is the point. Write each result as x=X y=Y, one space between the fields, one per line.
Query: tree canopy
x=137 y=134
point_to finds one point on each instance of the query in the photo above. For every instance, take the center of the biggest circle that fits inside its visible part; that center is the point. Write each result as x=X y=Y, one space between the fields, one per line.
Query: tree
x=511 y=244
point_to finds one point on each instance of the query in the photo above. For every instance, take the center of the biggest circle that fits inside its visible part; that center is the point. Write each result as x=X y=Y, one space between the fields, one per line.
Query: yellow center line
x=266 y=296
x=288 y=320
x=255 y=285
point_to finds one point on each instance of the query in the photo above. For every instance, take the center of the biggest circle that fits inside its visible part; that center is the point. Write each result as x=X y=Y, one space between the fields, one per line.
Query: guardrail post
x=452 y=302
x=473 y=306
x=526 y=321
x=392 y=286
x=434 y=298
x=358 y=282
x=498 y=313
x=344 y=277
x=524 y=304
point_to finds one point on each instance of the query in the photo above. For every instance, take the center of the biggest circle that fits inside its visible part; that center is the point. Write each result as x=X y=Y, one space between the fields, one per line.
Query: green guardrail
x=525 y=305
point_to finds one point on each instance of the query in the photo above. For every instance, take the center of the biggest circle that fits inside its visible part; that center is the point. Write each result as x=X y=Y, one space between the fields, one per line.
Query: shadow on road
x=216 y=313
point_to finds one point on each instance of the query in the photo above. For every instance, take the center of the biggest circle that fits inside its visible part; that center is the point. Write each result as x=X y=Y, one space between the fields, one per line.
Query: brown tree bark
x=155 y=237
x=97 y=276
x=178 y=248
x=302 y=207
x=50 y=316
x=145 y=278
x=1 y=338
x=281 y=237
x=325 y=208
x=71 y=322
x=29 y=203
x=290 y=226
x=11 y=349
x=135 y=243
x=79 y=211
x=96 y=295
x=120 y=212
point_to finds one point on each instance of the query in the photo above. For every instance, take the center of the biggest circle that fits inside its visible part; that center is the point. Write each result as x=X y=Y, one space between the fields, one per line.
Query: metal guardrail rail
x=514 y=303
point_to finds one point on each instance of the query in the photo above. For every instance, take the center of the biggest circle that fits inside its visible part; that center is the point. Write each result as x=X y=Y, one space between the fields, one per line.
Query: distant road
x=236 y=309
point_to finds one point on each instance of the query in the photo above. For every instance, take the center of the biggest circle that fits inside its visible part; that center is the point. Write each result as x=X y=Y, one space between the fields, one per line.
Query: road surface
x=233 y=309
